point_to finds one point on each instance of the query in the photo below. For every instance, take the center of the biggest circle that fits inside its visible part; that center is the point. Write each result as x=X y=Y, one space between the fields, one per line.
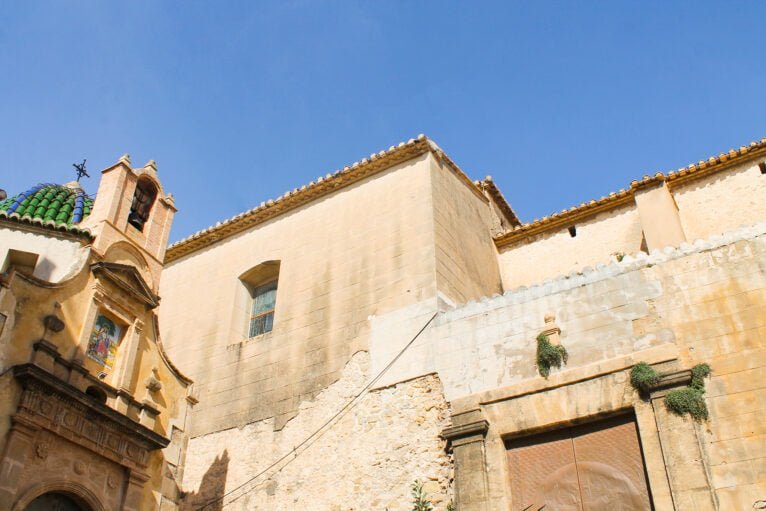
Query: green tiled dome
x=60 y=204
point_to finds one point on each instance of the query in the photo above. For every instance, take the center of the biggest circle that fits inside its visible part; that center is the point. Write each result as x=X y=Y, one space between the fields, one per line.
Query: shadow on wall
x=209 y=497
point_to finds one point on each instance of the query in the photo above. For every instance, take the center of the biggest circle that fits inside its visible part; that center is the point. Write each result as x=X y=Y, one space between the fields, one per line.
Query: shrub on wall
x=690 y=399
x=643 y=376
x=549 y=355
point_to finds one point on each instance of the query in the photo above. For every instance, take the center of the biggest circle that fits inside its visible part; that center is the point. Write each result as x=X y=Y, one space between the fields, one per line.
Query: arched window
x=262 y=313
x=261 y=284
x=143 y=199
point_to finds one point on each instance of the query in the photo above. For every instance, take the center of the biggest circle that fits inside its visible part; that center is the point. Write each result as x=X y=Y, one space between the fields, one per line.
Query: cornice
x=28 y=373
x=672 y=179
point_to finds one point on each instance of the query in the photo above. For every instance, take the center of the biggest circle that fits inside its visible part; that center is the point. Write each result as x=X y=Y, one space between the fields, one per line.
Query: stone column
x=136 y=481
x=467 y=444
x=681 y=444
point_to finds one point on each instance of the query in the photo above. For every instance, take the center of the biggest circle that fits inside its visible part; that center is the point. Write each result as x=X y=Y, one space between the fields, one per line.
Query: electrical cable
x=319 y=431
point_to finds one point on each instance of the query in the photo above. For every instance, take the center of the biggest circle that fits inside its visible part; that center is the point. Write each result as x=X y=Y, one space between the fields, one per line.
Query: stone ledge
x=465 y=434
x=669 y=381
x=654 y=355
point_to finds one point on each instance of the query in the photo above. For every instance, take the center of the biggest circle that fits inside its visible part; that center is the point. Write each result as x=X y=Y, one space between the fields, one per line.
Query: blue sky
x=560 y=102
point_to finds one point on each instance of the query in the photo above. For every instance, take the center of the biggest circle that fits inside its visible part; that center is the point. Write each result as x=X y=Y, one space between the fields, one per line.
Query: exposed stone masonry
x=367 y=460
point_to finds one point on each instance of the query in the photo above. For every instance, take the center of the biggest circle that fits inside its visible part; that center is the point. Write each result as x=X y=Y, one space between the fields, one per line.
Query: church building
x=389 y=327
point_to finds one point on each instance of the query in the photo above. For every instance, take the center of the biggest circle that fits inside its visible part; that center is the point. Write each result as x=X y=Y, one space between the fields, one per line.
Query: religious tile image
x=104 y=341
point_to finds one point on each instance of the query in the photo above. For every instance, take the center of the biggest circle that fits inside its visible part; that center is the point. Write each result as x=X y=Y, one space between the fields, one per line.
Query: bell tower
x=132 y=206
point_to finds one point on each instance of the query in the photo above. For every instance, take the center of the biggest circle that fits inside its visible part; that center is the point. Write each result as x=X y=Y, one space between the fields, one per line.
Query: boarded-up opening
x=593 y=467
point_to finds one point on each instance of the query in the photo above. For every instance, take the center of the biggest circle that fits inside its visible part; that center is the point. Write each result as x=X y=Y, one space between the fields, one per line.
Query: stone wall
x=366 y=460
x=722 y=202
x=700 y=303
x=361 y=250
x=466 y=257
x=556 y=252
x=719 y=203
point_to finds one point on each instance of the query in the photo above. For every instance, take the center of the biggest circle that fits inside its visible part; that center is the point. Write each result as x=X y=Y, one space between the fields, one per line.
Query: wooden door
x=593 y=467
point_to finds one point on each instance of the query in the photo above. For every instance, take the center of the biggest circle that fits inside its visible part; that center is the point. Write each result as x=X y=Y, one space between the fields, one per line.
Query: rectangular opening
x=572 y=231
x=762 y=166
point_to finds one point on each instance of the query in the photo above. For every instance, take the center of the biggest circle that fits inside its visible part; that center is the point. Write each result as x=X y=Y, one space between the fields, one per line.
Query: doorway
x=594 y=467
x=55 y=502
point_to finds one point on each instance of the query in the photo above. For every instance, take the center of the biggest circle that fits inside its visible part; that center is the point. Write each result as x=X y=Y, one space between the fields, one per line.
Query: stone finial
x=170 y=199
x=151 y=164
x=125 y=158
x=551 y=330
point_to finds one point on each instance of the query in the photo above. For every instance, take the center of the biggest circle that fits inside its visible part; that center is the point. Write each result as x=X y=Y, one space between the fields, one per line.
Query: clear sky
x=238 y=102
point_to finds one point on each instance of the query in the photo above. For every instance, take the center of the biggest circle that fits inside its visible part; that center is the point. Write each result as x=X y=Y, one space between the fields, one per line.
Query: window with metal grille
x=262 y=312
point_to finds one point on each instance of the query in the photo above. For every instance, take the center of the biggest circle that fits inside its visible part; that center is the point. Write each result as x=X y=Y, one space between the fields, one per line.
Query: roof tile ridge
x=622 y=193
x=309 y=188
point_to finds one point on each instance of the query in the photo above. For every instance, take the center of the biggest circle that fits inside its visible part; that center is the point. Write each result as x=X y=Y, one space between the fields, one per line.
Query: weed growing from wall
x=420 y=500
x=549 y=355
x=643 y=376
x=690 y=399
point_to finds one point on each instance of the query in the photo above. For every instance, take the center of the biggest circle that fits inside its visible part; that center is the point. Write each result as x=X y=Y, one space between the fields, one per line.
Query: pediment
x=128 y=279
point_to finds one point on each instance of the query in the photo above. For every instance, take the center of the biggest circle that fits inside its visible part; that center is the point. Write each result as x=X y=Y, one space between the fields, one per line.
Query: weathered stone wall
x=554 y=253
x=722 y=202
x=367 y=460
x=701 y=303
x=716 y=204
x=466 y=257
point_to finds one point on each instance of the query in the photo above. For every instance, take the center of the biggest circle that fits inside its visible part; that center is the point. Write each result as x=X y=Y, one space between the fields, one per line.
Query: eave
x=673 y=179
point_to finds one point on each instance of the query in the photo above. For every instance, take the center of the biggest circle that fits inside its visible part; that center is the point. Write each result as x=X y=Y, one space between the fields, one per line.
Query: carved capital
x=465 y=433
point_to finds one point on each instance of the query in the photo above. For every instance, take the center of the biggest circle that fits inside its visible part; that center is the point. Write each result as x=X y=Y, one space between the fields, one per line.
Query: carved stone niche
x=62 y=439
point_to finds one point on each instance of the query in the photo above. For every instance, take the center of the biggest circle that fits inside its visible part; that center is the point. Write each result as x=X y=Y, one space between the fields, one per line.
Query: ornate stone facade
x=90 y=400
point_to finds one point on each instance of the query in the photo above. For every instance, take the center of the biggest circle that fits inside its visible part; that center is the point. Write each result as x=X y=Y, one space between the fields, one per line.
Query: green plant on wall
x=643 y=376
x=420 y=501
x=549 y=355
x=690 y=399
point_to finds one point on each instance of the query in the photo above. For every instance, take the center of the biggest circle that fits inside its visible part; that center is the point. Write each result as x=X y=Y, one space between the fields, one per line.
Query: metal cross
x=80 y=169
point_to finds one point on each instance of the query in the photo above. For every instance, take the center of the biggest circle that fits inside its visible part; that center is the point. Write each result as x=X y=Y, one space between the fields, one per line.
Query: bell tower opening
x=143 y=200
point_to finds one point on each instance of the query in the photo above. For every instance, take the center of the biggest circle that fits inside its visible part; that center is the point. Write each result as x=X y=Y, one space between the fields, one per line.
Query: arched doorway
x=55 y=501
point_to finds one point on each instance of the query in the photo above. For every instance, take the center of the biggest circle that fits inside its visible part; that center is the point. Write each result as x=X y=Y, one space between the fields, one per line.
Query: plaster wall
x=363 y=250
x=59 y=258
x=550 y=254
x=722 y=202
